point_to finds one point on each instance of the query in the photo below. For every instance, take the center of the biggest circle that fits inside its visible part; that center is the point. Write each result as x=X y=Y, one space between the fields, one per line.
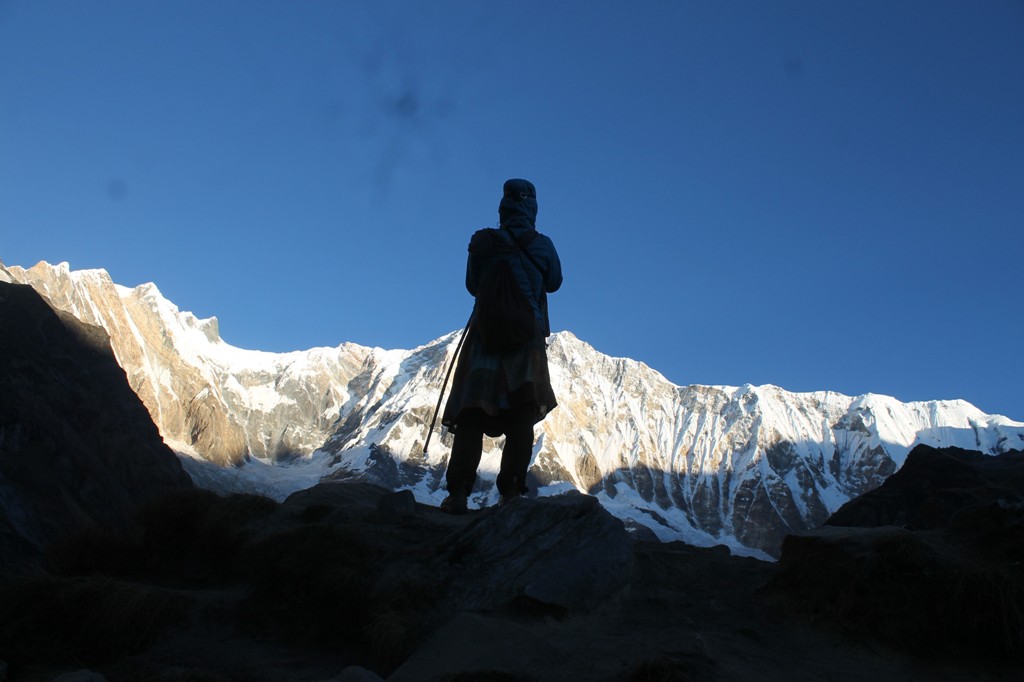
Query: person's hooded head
x=518 y=207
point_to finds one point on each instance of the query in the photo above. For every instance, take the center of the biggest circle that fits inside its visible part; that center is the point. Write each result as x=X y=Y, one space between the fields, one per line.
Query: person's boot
x=509 y=491
x=456 y=503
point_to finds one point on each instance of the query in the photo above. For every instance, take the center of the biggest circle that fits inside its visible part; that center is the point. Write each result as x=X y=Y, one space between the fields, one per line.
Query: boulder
x=342 y=498
x=553 y=555
x=931 y=561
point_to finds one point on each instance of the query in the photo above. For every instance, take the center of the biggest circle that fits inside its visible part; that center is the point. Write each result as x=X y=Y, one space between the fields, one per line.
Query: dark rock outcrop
x=77 y=446
x=933 y=486
x=931 y=561
x=346 y=581
x=553 y=555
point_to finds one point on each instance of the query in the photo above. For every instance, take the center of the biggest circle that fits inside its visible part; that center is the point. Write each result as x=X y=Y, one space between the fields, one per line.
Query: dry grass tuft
x=390 y=637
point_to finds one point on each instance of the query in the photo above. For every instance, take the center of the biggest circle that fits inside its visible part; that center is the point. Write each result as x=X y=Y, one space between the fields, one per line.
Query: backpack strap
x=543 y=298
x=527 y=253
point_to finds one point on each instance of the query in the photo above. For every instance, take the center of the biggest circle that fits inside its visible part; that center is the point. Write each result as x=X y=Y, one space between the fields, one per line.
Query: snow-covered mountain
x=740 y=466
x=207 y=397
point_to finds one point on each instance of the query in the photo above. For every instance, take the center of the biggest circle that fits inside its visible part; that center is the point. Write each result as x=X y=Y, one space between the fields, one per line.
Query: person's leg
x=515 y=456
x=464 y=460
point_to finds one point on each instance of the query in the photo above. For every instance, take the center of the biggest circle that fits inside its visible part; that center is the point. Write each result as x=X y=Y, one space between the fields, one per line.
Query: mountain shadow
x=77 y=447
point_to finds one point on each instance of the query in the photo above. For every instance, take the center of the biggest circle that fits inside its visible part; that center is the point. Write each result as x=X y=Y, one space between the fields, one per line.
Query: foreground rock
x=931 y=562
x=345 y=581
x=555 y=555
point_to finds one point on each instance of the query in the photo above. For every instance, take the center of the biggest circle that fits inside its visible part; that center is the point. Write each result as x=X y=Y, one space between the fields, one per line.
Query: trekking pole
x=451 y=365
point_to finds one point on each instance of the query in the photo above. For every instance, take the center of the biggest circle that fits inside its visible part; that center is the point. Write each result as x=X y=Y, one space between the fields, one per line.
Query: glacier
x=740 y=466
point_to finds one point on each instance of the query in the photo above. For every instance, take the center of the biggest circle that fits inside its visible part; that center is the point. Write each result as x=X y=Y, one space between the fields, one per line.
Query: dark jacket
x=488 y=383
x=490 y=244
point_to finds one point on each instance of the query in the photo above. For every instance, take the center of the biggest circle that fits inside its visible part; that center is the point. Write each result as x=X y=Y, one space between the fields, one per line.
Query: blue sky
x=817 y=195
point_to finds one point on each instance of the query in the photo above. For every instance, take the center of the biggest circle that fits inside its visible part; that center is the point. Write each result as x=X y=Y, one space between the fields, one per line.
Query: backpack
x=504 y=316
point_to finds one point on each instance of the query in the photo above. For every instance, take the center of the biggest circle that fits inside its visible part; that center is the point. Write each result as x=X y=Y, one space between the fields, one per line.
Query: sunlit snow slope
x=740 y=466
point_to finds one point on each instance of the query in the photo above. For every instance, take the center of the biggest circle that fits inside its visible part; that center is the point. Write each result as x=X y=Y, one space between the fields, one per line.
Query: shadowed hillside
x=77 y=446
x=126 y=570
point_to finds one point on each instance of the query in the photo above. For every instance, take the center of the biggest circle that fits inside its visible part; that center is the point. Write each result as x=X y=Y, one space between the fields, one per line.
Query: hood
x=518 y=208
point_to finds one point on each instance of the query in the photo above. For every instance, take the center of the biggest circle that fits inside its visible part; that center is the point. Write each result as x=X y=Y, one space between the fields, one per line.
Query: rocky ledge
x=349 y=581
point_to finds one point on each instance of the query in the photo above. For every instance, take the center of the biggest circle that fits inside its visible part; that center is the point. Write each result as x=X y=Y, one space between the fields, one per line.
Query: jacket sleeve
x=472 y=275
x=553 y=280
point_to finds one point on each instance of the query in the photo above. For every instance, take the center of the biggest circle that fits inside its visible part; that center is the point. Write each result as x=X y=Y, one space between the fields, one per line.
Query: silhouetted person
x=503 y=391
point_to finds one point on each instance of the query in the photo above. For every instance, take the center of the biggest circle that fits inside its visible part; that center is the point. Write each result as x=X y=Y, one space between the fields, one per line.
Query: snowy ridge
x=740 y=466
x=224 y=403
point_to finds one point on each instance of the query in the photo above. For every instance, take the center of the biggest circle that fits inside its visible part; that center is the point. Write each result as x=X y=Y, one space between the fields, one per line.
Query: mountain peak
x=741 y=466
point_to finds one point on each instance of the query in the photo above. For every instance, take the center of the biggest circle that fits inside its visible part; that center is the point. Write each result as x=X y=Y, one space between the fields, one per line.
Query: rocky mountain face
x=207 y=398
x=77 y=448
x=741 y=466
